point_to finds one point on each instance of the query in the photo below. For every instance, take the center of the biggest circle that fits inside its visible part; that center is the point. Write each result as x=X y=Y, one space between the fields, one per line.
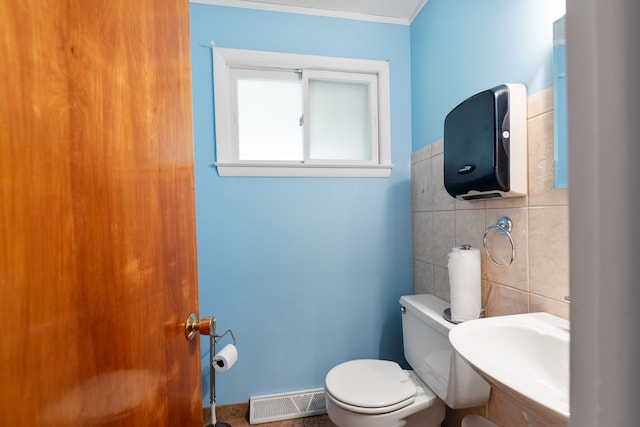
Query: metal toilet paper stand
x=208 y=326
x=213 y=340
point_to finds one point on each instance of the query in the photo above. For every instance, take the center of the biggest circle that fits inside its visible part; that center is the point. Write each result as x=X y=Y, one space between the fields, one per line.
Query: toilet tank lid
x=430 y=309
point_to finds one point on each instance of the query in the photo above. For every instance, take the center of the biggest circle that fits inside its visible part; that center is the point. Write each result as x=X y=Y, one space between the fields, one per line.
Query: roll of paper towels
x=464 y=283
x=225 y=358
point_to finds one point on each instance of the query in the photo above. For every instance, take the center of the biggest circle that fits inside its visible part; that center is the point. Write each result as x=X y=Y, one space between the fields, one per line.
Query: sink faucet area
x=525 y=356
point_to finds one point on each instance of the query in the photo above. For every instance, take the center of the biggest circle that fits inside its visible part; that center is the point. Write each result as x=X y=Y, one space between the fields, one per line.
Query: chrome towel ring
x=503 y=226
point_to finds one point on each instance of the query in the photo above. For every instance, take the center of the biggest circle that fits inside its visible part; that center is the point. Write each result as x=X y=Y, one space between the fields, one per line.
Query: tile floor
x=236 y=417
x=317 y=421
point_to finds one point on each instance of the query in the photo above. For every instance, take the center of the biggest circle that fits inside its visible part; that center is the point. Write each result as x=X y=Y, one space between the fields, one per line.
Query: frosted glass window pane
x=340 y=120
x=269 y=125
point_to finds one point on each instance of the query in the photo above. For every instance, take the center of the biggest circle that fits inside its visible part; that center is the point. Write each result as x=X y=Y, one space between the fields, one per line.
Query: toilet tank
x=427 y=349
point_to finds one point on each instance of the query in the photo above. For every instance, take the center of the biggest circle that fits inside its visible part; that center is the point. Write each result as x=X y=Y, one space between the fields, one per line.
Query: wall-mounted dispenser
x=485 y=145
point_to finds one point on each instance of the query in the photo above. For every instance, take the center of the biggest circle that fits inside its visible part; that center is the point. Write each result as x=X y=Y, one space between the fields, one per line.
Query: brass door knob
x=205 y=326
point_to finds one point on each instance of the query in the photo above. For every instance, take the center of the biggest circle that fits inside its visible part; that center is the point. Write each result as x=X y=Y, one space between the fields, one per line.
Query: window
x=299 y=115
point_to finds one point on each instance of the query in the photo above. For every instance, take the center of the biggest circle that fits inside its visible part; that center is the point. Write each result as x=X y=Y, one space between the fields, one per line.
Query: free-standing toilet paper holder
x=208 y=326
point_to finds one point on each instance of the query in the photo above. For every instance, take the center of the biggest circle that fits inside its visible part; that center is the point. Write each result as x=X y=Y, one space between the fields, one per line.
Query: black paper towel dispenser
x=485 y=145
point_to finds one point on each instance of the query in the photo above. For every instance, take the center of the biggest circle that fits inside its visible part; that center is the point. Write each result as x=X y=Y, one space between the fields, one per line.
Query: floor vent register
x=284 y=406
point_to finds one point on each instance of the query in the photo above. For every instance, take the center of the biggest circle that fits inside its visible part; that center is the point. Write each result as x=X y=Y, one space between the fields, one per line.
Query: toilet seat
x=370 y=386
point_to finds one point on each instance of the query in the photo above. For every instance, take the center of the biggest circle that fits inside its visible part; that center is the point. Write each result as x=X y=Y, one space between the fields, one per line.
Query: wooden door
x=97 y=223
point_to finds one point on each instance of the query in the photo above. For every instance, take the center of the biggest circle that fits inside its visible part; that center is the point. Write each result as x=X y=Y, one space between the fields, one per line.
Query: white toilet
x=379 y=393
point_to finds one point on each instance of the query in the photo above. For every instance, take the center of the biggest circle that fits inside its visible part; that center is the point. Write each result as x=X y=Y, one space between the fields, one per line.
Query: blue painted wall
x=462 y=47
x=306 y=271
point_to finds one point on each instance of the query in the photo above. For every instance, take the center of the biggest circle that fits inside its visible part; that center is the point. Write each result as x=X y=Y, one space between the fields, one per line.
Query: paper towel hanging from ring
x=485 y=145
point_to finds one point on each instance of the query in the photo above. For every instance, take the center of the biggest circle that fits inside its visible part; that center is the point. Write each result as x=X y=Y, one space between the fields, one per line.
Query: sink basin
x=526 y=356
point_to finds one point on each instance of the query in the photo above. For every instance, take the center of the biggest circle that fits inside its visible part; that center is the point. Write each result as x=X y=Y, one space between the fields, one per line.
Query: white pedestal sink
x=525 y=356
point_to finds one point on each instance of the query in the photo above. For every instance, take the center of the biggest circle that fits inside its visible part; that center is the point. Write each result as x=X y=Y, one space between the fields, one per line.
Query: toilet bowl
x=379 y=393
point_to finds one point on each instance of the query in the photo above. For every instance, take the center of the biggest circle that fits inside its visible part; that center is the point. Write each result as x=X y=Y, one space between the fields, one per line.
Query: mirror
x=561 y=163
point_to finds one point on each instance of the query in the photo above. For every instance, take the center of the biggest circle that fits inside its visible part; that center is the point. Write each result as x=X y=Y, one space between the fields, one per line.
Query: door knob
x=204 y=326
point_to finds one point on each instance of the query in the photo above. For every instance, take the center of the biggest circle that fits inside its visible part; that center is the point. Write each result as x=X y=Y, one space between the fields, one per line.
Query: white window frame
x=227 y=161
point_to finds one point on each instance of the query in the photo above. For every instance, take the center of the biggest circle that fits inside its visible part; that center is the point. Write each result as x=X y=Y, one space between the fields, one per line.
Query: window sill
x=308 y=170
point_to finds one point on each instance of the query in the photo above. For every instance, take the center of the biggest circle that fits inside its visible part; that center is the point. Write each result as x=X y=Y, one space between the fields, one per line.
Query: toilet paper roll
x=225 y=358
x=465 y=284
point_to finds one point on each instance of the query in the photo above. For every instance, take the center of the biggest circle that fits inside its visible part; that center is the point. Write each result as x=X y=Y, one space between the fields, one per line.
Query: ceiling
x=393 y=11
